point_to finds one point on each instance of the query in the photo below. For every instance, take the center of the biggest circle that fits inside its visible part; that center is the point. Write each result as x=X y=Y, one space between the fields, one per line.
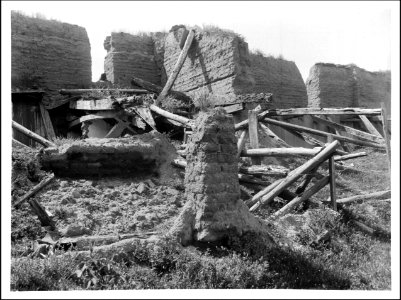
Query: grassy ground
x=351 y=259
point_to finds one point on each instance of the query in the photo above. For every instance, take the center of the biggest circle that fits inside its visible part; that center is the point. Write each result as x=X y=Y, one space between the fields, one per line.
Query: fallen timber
x=361 y=198
x=325 y=111
x=32 y=135
x=322 y=133
x=83 y=91
x=284 y=152
x=266 y=197
x=34 y=190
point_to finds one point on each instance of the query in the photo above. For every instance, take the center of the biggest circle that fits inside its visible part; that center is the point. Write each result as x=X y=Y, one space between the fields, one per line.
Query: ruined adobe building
x=330 y=85
x=218 y=62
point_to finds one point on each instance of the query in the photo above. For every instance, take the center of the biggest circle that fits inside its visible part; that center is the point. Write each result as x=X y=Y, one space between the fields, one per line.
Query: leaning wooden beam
x=349 y=156
x=241 y=142
x=180 y=119
x=369 y=126
x=244 y=124
x=284 y=152
x=40 y=211
x=116 y=130
x=99 y=115
x=308 y=177
x=34 y=190
x=157 y=89
x=333 y=193
x=295 y=174
x=343 y=145
x=324 y=111
x=177 y=67
x=21 y=144
x=264 y=170
x=83 y=91
x=253 y=134
x=352 y=131
x=32 y=135
x=322 y=133
x=278 y=141
x=386 y=135
x=361 y=198
x=301 y=198
x=47 y=122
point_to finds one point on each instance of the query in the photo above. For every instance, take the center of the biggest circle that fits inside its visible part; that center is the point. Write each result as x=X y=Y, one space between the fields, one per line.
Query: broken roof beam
x=101 y=104
x=325 y=111
x=32 y=135
x=177 y=67
x=180 y=119
x=158 y=89
x=83 y=91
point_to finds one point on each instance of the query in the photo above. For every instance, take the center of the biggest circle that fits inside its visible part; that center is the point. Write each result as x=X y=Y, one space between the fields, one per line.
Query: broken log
x=294 y=175
x=267 y=170
x=241 y=142
x=32 y=135
x=324 y=111
x=180 y=119
x=266 y=190
x=34 y=190
x=369 y=126
x=284 y=152
x=38 y=209
x=349 y=156
x=301 y=198
x=116 y=130
x=332 y=172
x=83 y=91
x=322 y=133
x=157 y=89
x=362 y=198
x=177 y=68
x=352 y=131
x=233 y=108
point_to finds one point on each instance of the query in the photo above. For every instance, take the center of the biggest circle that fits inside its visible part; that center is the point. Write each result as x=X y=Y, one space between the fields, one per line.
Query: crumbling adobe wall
x=49 y=54
x=214 y=209
x=130 y=55
x=330 y=85
x=220 y=62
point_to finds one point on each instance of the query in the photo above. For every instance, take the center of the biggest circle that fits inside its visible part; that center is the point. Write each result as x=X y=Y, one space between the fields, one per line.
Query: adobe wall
x=330 y=85
x=49 y=54
x=130 y=55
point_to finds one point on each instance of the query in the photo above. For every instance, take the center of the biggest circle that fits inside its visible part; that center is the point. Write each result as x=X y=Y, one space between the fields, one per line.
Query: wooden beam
x=146 y=115
x=177 y=68
x=253 y=134
x=157 y=89
x=301 y=198
x=322 y=133
x=21 y=144
x=96 y=116
x=233 y=108
x=101 y=104
x=349 y=156
x=47 y=122
x=264 y=170
x=241 y=142
x=343 y=145
x=180 y=119
x=324 y=111
x=294 y=175
x=332 y=172
x=34 y=190
x=386 y=135
x=32 y=135
x=244 y=124
x=361 y=198
x=116 y=130
x=83 y=91
x=283 y=152
x=308 y=177
x=41 y=212
x=369 y=126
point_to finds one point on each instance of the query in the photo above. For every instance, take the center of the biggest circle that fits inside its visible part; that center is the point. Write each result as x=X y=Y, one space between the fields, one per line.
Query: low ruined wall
x=330 y=85
x=130 y=55
x=49 y=54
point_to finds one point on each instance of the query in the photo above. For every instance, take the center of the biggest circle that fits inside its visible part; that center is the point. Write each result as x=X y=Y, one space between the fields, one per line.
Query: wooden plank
x=350 y=156
x=267 y=170
x=99 y=115
x=233 y=108
x=253 y=134
x=308 y=177
x=83 y=91
x=294 y=175
x=369 y=126
x=322 y=133
x=177 y=68
x=386 y=135
x=101 y=104
x=362 y=198
x=34 y=190
x=280 y=152
x=343 y=145
x=146 y=115
x=274 y=138
x=301 y=198
x=324 y=111
x=180 y=119
x=32 y=135
x=116 y=130
x=241 y=142
x=332 y=172
x=47 y=122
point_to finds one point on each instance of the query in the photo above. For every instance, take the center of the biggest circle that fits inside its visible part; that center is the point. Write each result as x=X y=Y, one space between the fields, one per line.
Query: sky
x=303 y=32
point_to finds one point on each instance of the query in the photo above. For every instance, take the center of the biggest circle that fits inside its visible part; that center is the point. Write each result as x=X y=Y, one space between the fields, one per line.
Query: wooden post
x=294 y=175
x=47 y=122
x=386 y=137
x=332 y=172
x=253 y=134
x=241 y=142
x=32 y=135
x=177 y=67
x=369 y=126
